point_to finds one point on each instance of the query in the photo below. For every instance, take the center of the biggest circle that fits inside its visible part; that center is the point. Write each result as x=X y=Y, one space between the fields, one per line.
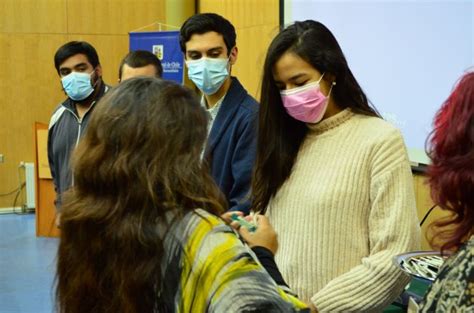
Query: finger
x=244 y=232
x=235 y=225
x=227 y=216
x=262 y=220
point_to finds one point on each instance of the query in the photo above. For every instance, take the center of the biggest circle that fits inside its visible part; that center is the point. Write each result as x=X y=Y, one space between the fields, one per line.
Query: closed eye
x=194 y=55
x=299 y=84
x=64 y=72
x=215 y=52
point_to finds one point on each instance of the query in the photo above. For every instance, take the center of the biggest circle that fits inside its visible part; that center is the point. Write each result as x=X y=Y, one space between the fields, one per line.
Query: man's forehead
x=145 y=70
x=75 y=60
x=206 y=41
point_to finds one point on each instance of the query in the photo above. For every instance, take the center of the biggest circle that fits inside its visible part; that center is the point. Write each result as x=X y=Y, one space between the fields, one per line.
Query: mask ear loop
x=332 y=84
x=97 y=78
x=228 y=62
x=330 y=89
x=321 y=78
x=229 y=65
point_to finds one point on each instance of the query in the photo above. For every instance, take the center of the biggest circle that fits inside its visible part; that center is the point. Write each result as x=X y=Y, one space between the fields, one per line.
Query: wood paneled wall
x=256 y=23
x=424 y=203
x=30 y=33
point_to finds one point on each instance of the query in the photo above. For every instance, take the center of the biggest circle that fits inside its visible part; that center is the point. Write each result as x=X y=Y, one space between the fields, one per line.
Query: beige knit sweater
x=347 y=208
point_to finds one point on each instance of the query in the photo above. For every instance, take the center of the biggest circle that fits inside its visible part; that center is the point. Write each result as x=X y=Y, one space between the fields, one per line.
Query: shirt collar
x=215 y=109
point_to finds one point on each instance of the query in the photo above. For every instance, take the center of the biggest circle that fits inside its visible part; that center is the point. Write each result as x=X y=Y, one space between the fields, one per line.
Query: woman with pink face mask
x=332 y=176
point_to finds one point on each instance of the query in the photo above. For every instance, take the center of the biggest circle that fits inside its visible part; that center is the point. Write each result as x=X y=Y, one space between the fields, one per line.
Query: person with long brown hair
x=332 y=176
x=451 y=178
x=139 y=229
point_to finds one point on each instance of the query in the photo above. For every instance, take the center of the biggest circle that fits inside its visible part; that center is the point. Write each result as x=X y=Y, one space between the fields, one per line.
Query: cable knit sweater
x=347 y=208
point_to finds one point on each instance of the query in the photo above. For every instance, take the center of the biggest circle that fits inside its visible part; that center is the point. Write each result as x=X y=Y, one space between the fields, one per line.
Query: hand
x=227 y=217
x=57 y=220
x=311 y=307
x=265 y=236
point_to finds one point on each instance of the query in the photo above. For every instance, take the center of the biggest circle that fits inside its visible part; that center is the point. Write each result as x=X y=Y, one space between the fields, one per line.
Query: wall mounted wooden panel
x=256 y=23
x=424 y=203
x=33 y=16
x=252 y=43
x=30 y=33
x=112 y=16
x=179 y=11
x=30 y=90
x=244 y=13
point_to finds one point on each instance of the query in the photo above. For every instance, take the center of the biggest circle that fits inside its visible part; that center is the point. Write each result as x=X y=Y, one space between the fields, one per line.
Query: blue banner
x=165 y=45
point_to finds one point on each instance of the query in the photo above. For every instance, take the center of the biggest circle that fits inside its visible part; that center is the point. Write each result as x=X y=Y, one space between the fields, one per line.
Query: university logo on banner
x=158 y=51
x=165 y=45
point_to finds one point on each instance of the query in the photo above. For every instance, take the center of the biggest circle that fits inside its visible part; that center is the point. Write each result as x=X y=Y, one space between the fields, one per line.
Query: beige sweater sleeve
x=393 y=229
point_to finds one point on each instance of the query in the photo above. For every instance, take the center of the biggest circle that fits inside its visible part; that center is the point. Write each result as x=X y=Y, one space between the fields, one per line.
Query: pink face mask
x=306 y=103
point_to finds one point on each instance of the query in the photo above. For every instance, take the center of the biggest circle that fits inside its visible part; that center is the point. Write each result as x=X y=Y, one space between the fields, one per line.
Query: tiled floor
x=27 y=266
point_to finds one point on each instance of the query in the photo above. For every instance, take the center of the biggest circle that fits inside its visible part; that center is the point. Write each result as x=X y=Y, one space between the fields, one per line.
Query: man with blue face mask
x=208 y=43
x=78 y=66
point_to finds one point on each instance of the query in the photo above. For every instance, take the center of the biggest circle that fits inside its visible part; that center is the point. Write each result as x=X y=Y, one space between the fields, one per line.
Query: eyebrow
x=215 y=49
x=293 y=78
x=80 y=65
x=75 y=66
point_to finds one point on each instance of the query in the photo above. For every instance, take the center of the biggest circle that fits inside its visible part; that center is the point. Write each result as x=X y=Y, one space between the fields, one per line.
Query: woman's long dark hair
x=451 y=174
x=139 y=159
x=279 y=135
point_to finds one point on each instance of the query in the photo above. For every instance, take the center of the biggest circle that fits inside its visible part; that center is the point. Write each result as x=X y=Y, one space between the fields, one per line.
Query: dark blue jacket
x=231 y=146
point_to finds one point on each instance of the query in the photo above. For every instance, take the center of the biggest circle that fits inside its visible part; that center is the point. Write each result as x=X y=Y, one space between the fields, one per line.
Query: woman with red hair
x=451 y=177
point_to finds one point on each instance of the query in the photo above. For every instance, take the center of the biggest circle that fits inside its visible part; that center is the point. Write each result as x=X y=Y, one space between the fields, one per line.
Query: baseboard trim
x=17 y=209
x=9 y=210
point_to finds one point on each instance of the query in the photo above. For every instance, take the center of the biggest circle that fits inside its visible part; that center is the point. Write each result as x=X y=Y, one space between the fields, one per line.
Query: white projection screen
x=407 y=55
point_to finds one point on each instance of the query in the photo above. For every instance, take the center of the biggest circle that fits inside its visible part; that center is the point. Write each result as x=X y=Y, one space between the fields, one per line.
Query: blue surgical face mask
x=208 y=74
x=77 y=85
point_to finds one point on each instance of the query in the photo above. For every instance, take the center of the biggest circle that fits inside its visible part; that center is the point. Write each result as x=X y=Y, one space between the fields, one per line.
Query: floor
x=27 y=266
